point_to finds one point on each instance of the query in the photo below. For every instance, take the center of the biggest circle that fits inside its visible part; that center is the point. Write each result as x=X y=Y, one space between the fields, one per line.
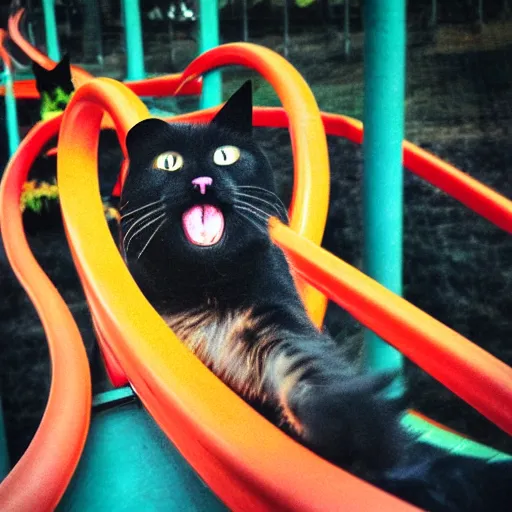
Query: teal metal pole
x=209 y=38
x=384 y=98
x=433 y=14
x=346 y=29
x=11 y=115
x=129 y=464
x=50 y=24
x=133 y=38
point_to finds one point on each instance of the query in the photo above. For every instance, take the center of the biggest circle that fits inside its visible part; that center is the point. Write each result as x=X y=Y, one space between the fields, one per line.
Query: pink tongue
x=203 y=224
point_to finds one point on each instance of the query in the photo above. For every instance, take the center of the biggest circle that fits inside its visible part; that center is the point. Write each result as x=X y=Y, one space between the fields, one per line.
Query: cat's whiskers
x=251 y=221
x=122 y=207
x=151 y=237
x=274 y=206
x=141 y=219
x=131 y=212
x=254 y=209
x=256 y=219
x=142 y=228
x=273 y=195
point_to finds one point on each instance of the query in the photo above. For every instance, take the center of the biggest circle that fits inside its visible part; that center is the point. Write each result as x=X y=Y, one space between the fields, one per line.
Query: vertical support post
x=133 y=38
x=30 y=25
x=328 y=9
x=481 y=13
x=209 y=38
x=286 y=29
x=506 y=9
x=92 y=42
x=11 y=115
x=50 y=24
x=433 y=14
x=245 y=21
x=346 y=29
x=384 y=97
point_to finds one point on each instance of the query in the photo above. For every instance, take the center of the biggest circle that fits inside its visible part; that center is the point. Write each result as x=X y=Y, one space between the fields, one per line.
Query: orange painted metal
x=156 y=86
x=4 y=55
x=39 y=479
x=473 y=374
x=23 y=89
x=159 y=86
x=470 y=192
x=78 y=74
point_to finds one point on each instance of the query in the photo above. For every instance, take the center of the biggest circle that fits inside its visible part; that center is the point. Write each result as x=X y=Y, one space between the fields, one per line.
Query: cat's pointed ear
x=64 y=65
x=41 y=76
x=142 y=132
x=63 y=70
x=236 y=114
x=38 y=70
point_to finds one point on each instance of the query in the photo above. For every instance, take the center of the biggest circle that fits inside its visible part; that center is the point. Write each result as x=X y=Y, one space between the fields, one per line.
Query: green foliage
x=38 y=196
x=51 y=104
x=263 y=93
x=304 y=3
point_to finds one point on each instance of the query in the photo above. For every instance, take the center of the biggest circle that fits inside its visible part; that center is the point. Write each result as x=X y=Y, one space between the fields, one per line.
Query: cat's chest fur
x=220 y=338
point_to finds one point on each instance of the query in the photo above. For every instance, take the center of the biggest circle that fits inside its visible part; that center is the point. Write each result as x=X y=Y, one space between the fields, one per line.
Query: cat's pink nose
x=202 y=183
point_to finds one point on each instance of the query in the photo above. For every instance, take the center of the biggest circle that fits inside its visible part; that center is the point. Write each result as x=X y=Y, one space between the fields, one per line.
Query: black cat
x=195 y=207
x=55 y=87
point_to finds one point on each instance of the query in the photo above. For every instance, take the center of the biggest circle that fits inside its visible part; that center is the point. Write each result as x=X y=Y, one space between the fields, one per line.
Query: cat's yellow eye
x=170 y=161
x=226 y=155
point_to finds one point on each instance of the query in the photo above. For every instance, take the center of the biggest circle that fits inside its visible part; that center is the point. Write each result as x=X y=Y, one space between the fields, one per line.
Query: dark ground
x=457 y=266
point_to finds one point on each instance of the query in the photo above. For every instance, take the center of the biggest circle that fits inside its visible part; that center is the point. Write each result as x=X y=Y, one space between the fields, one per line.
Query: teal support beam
x=433 y=14
x=129 y=464
x=346 y=29
x=481 y=12
x=384 y=98
x=286 y=29
x=133 y=38
x=245 y=22
x=50 y=24
x=11 y=115
x=209 y=38
x=4 y=453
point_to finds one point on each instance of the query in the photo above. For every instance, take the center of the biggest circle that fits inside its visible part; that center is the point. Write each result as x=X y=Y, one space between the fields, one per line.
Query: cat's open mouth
x=203 y=224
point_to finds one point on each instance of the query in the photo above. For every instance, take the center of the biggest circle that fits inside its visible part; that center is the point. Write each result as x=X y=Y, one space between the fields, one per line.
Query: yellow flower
x=35 y=195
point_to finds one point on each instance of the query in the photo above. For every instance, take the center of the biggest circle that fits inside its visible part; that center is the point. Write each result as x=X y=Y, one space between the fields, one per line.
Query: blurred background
x=457 y=266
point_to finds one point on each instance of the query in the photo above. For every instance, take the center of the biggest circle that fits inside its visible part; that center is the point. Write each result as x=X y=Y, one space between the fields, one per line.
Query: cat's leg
x=330 y=408
x=302 y=380
x=343 y=417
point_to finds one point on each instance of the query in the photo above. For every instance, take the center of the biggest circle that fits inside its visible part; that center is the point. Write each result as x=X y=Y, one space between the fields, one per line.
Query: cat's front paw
x=348 y=423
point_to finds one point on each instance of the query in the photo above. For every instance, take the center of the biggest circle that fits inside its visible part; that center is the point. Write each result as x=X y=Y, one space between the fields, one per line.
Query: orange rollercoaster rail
x=247 y=462
x=4 y=55
x=26 y=89
x=158 y=86
x=470 y=372
x=39 y=479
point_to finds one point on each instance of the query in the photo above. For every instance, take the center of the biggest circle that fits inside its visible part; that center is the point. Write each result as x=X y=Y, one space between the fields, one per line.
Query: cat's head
x=197 y=196
x=55 y=87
